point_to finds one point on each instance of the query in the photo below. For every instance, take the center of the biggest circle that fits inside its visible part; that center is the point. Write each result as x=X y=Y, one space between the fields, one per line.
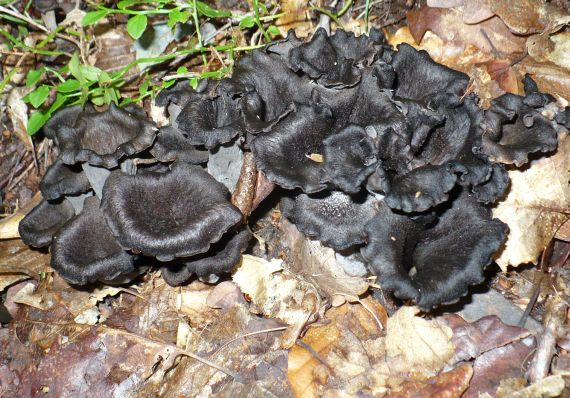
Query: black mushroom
x=384 y=153
x=44 y=220
x=178 y=213
x=85 y=250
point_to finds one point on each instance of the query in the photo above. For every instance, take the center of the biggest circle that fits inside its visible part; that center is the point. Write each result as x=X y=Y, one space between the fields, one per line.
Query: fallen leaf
x=278 y=293
x=318 y=265
x=551 y=386
x=18 y=258
x=496 y=365
x=450 y=384
x=473 y=339
x=537 y=204
x=417 y=345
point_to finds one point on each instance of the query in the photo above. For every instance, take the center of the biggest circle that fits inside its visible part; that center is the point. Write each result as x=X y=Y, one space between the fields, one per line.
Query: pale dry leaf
x=7 y=280
x=27 y=296
x=278 y=293
x=318 y=264
x=551 y=386
x=537 y=204
x=417 y=345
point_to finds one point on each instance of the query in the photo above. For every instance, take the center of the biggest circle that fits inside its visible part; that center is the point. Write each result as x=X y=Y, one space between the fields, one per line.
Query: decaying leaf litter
x=290 y=321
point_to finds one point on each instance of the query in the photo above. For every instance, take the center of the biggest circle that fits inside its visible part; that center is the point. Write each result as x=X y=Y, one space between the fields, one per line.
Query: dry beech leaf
x=318 y=264
x=418 y=345
x=448 y=25
x=551 y=386
x=499 y=364
x=450 y=384
x=278 y=293
x=538 y=203
x=343 y=355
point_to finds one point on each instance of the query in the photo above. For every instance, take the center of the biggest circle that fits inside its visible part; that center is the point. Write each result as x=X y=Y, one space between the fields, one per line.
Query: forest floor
x=272 y=328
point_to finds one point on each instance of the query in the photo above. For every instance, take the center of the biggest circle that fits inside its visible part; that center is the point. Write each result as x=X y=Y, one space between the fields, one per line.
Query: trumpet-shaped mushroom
x=179 y=213
x=61 y=179
x=104 y=138
x=43 y=221
x=336 y=219
x=222 y=257
x=85 y=250
x=433 y=263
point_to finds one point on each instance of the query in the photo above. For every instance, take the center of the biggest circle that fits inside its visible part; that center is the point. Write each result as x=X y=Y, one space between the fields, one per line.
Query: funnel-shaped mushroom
x=284 y=154
x=166 y=215
x=43 y=221
x=85 y=250
x=334 y=218
x=172 y=145
x=222 y=257
x=61 y=179
x=103 y=138
x=446 y=257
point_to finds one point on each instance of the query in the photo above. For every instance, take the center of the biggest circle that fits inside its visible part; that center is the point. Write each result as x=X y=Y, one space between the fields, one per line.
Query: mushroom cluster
x=379 y=152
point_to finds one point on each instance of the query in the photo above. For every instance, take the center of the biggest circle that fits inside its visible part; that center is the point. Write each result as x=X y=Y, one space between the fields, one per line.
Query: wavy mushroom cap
x=43 y=221
x=166 y=215
x=267 y=88
x=65 y=117
x=423 y=188
x=333 y=60
x=85 y=250
x=419 y=77
x=514 y=130
x=222 y=257
x=447 y=257
x=350 y=156
x=61 y=179
x=103 y=138
x=172 y=145
x=211 y=119
x=334 y=218
x=284 y=154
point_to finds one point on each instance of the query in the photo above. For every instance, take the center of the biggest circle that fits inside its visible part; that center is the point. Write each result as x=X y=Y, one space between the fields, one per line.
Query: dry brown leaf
x=490 y=36
x=417 y=345
x=278 y=293
x=339 y=356
x=18 y=258
x=318 y=265
x=551 y=386
x=537 y=204
x=295 y=17
x=499 y=364
x=450 y=384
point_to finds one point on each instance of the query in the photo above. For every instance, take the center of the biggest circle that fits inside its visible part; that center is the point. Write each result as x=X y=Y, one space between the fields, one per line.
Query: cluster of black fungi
x=409 y=167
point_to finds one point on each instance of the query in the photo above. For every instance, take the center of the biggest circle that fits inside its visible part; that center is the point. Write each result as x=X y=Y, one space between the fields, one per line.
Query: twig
x=227 y=343
x=554 y=318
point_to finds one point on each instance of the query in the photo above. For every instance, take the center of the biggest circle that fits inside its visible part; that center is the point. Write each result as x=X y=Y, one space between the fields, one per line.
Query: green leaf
x=98 y=101
x=194 y=82
x=92 y=17
x=176 y=15
x=274 y=30
x=208 y=11
x=34 y=75
x=247 y=22
x=181 y=70
x=75 y=70
x=38 y=96
x=59 y=101
x=104 y=78
x=90 y=72
x=137 y=25
x=68 y=86
x=36 y=122
x=144 y=87
x=168 y=83
x=125 y=3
